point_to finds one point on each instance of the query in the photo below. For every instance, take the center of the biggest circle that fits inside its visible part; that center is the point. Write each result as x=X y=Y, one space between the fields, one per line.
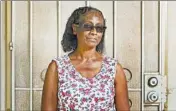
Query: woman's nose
x=93 y=31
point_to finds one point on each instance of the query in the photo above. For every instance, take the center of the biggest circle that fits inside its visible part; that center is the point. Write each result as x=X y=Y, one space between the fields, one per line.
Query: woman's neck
x=85 y=54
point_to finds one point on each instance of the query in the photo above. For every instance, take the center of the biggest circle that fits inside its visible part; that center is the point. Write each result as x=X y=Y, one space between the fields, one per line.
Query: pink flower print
x=66 y=100
x=66 y=62
x=89 y=100
x=74 y=85
x=106 y=61
x=91 y=81
x=96 y=99
x=101 y=90
x=86 y=91
x=81 y=80
x=110 y=104
x=105 y=77
x=63 y=94
x=109 y=70
x=63 y=104
x=91 y=86
x=72 y=72
x=102 y=85
x=61 y=72
x=93 y=95
x=83 y=100
x=67 y=93
x=72 y=106
x=81 y=89
x=75 y=100
x=112 y=90
x=61 y=82
x=92 y=106
x=77 y=92
x=101 y=99
x=102 y=109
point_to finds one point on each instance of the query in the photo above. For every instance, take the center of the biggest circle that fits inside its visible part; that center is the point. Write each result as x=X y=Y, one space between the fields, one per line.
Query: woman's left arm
x=121 y=90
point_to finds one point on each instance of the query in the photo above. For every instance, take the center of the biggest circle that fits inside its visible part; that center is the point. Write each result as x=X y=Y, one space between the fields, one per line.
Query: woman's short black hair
x=69 y=40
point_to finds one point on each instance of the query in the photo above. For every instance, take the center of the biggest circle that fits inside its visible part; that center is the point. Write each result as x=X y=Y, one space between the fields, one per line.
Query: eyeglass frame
x=81 y=25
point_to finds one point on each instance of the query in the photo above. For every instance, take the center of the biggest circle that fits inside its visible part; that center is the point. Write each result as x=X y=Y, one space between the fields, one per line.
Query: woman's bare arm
x=121 y=90
x=49 y=95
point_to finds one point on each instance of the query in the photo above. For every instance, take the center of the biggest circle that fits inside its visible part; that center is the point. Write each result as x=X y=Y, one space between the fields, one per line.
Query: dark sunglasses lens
x=87 y=27
x=100 y=29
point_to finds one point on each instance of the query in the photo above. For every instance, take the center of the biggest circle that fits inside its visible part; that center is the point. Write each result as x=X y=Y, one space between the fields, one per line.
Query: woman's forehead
x=93 y=16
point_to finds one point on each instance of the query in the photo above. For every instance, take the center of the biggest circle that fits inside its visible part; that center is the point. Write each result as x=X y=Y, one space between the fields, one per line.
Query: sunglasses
x=89 y=27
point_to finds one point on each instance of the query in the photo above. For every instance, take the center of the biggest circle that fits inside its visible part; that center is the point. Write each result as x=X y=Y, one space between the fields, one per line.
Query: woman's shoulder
x=54 y=64
x=61 y=60
x=52 y=67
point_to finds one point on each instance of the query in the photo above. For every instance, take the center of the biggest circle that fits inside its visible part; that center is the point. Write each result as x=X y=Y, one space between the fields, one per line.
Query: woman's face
x=90 y=29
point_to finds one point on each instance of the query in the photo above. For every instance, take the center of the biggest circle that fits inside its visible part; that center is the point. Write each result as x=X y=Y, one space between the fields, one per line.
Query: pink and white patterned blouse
x=78 y=93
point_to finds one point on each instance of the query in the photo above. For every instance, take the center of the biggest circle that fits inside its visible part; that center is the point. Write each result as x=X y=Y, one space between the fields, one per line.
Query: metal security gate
x=154 y=55
x=135 y=36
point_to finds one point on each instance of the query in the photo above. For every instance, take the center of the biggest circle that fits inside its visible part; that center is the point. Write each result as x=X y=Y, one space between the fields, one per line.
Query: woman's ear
x=74 y=29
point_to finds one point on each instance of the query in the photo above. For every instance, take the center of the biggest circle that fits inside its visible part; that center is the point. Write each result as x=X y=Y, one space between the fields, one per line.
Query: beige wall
x=172 y=55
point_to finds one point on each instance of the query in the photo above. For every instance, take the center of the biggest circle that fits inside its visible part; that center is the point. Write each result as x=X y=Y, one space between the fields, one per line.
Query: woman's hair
x=69 y=40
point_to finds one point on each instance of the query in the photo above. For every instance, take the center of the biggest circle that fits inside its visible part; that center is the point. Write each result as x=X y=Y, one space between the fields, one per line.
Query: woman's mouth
x=91 y=39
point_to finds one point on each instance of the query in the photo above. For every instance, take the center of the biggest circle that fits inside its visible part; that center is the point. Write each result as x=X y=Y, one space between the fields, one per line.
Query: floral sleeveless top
x=78 y=93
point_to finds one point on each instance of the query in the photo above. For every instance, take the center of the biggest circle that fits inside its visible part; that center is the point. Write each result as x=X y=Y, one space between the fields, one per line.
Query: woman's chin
x=91 y=43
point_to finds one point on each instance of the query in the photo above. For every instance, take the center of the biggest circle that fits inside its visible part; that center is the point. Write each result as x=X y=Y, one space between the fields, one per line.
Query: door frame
x=6 y=55
x=2 y=55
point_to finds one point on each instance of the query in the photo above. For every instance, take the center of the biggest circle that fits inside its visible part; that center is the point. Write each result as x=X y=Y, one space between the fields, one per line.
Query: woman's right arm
x=50 y=88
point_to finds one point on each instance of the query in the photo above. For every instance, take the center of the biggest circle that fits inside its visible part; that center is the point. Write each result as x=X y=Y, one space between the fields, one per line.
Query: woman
x=85 y=79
